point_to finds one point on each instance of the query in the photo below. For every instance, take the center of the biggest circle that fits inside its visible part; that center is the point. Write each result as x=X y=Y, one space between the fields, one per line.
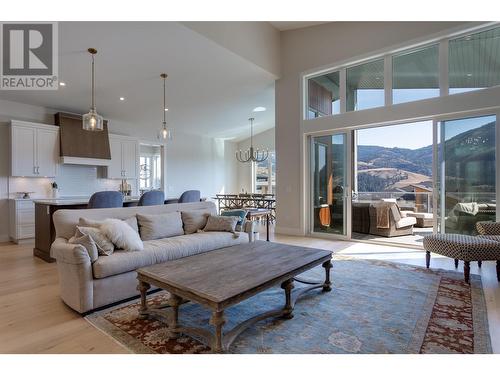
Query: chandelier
x=251 y=154
x=165 y=133
x=92 y=121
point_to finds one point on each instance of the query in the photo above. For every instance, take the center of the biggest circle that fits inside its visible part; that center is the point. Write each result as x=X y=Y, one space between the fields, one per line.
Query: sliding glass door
x=441 y=175
x=330 y=188
x=467 y=173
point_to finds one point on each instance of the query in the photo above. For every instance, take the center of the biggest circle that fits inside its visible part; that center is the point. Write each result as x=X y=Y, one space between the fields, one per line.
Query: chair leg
x=427 y=258
x=467 y=271
x=479 y=263
x=456 y=263
x=498 y=270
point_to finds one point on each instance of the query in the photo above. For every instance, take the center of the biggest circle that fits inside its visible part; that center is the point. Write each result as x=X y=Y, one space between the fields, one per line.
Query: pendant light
x=92 y=121
x=165 y=133
x=250 y=154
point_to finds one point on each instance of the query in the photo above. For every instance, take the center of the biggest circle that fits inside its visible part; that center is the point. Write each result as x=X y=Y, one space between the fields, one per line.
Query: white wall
x=199 y=163
x=193 y=162
x=317 y=47
x=258 y=42
x=263 y=141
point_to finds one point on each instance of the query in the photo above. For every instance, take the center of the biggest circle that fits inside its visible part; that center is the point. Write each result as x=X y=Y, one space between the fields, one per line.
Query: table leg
x=267 y=227
x=288 y=309
x=217 y=320
x=327 y=285
x=174 y=301
x=143 y=288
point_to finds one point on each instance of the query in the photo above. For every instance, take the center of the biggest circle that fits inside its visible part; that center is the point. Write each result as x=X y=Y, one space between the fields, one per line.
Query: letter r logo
x=27 y=49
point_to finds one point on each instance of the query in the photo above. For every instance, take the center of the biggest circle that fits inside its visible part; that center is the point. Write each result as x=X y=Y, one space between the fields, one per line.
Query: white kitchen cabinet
x=34 y=149
x=47 y=152
x=130 y=158
x=22 y=219
x=124 y=157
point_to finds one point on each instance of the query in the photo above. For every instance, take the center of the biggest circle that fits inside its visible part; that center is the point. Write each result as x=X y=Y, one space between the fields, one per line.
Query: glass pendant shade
x=165 y=134
x=92 y=121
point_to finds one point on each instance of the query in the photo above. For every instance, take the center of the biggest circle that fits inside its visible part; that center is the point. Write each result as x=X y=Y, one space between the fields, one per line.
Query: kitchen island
x=45 y=232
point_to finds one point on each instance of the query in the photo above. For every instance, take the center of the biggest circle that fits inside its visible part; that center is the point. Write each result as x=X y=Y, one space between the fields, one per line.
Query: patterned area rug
x=375 y=307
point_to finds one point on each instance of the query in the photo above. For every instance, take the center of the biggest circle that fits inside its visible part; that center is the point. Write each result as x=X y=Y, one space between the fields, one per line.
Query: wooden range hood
x=79 y=146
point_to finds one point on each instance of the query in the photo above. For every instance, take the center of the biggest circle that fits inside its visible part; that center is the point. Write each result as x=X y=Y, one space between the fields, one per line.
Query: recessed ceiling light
x=259 y=109
x=166 y=109
x=62 y=83
x=469 y=74
x=122 y=98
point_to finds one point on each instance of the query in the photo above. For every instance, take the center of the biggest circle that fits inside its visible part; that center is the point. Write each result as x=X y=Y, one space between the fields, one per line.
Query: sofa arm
x=76 y=280
x=65 y=252
x=250 y=229
x=490 y=228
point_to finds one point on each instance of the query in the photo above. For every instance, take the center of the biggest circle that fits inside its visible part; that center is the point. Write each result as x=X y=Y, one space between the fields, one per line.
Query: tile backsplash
x=73 y=180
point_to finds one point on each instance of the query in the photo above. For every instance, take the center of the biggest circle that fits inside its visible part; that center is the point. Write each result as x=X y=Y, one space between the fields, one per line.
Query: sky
x=412 y=135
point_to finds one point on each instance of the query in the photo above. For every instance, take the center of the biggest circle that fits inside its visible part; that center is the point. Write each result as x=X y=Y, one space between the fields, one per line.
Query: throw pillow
x=241 y=214
x=88 y=243
x=104 y=245
x=84 y=222
x=221 y=224
x=122 y=235
x=152 y=227
x=194 y=220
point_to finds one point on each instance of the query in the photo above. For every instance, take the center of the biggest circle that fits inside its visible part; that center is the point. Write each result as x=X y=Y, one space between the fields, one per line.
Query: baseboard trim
x=288 y=231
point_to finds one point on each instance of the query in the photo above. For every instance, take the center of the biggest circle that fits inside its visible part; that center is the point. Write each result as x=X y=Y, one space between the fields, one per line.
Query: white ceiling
x=210 y=90
x=292 y=25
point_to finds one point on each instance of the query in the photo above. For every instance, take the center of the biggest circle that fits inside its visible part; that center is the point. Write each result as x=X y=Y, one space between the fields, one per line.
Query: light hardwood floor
x=34 y=320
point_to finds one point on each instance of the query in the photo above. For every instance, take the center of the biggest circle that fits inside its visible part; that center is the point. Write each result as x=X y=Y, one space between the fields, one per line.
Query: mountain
x=386 y=169
x=416 y=161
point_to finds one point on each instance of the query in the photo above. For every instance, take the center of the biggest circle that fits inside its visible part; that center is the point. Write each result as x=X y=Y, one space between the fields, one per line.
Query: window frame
x=270 y=185
x=443 y=52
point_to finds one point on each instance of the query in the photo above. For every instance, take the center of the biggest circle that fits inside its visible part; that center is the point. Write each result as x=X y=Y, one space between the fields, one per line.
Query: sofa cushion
x=88 y=243
x=104 y=245
x=241 y=214
x=195 y=220
x=152 y=227
x=122 y=235
x=163 y=250
x=221 y=224
x=406 y=222
x=84 y=222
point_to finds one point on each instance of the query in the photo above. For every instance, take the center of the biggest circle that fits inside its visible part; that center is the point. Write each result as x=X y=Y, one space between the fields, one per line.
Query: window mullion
x=444 y=82
x=388 y=80
x=343 y=91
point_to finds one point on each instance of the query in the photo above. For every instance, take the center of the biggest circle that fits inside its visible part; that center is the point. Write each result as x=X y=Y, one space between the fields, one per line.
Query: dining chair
x=106 y=199
x=152 y=198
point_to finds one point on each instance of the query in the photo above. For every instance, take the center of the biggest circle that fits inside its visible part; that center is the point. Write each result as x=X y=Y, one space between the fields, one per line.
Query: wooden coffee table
x=222 y=278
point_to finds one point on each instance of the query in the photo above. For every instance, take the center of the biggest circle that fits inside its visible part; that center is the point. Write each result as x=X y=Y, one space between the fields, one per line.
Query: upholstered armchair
x=387 y=220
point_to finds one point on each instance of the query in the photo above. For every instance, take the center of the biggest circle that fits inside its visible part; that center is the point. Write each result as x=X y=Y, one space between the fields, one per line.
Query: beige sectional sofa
x=87 y=285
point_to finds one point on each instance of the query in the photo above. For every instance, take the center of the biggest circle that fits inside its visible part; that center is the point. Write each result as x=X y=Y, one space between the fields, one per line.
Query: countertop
x=74 y=201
